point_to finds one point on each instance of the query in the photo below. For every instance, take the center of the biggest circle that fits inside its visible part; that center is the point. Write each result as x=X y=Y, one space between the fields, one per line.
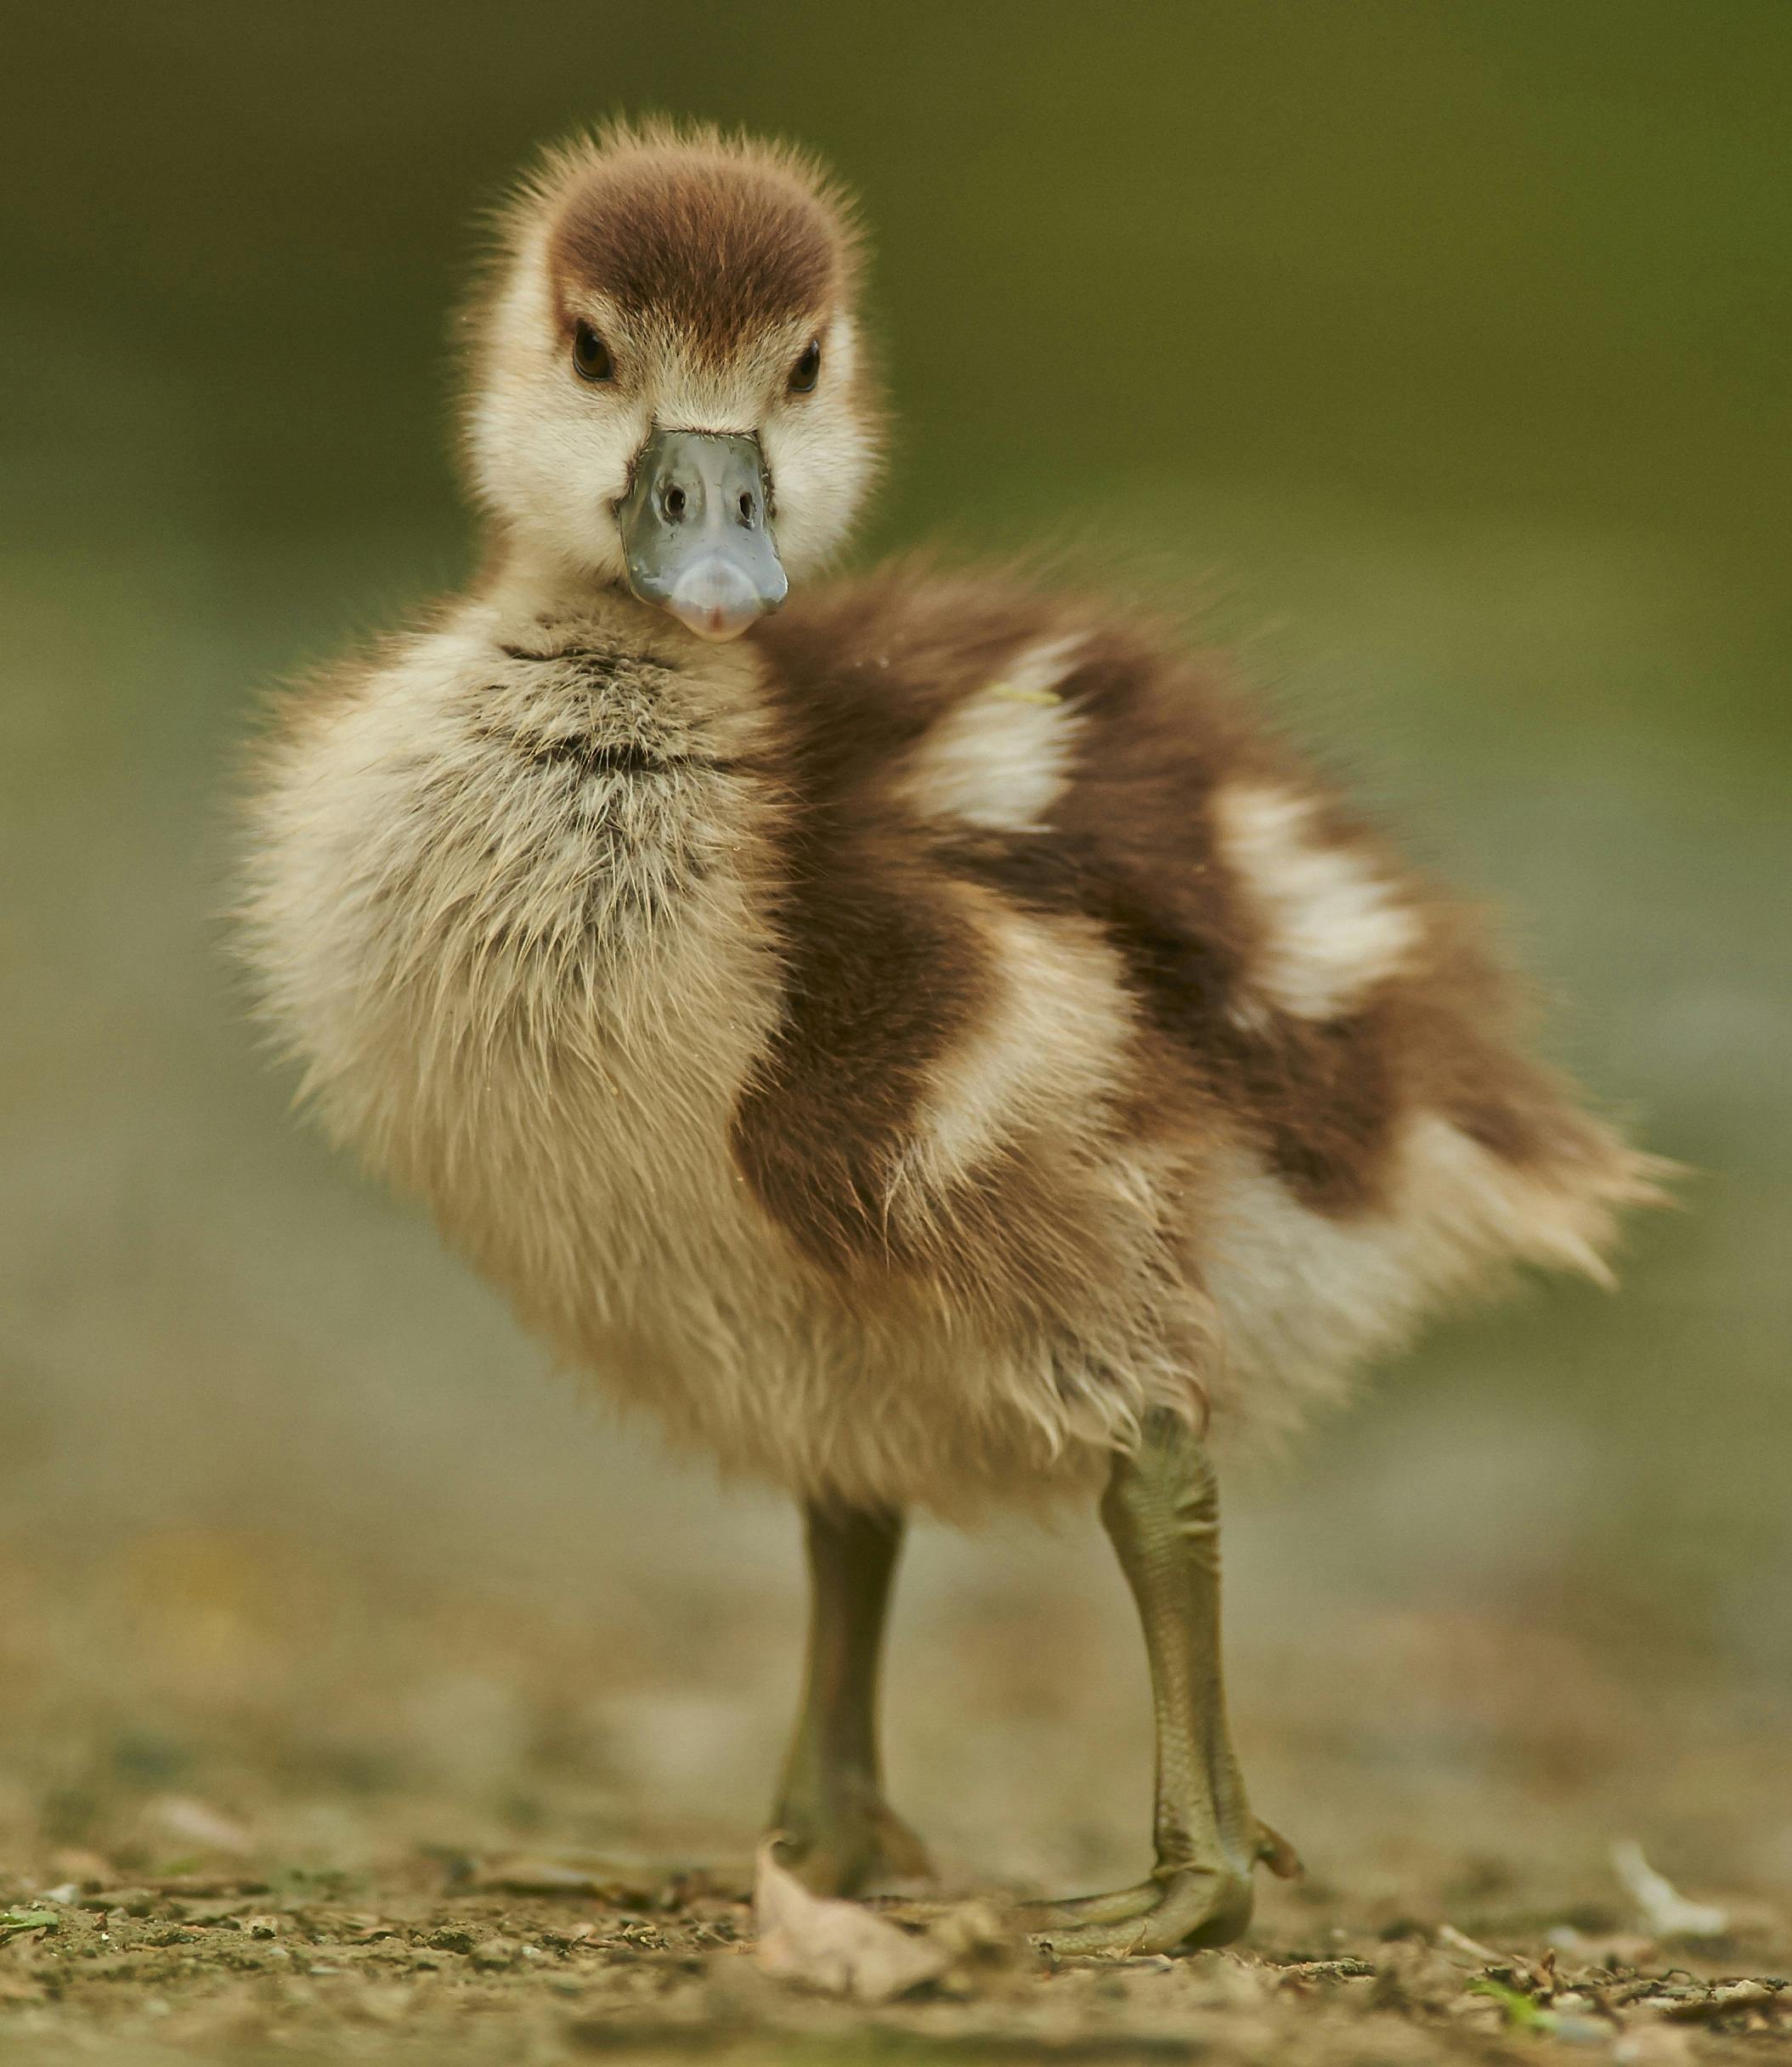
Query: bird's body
x=938 y=1050
x=900 y=1052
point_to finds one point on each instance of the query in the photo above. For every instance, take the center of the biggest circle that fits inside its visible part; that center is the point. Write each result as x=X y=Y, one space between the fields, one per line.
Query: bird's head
x=669 y=389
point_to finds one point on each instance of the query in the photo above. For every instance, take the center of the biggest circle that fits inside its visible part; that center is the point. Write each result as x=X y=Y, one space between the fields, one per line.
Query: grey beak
x=695 y=530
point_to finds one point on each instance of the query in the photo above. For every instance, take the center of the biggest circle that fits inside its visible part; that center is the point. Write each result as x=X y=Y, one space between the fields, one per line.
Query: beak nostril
x=674 y=501
x=746 y=505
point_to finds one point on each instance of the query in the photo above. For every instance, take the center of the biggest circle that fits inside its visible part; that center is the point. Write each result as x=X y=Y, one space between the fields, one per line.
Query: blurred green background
x=1433 y=354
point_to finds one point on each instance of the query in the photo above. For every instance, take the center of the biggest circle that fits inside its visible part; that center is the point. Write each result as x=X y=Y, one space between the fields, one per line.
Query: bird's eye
x=591 y=355
x=804 y=372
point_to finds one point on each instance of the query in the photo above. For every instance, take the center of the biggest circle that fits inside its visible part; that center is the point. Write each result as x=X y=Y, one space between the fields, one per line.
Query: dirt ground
x=235 y=1968
x=227 y=1834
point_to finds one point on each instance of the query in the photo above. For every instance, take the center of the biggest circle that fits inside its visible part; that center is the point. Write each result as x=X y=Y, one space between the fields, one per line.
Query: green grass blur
x=1433 y=354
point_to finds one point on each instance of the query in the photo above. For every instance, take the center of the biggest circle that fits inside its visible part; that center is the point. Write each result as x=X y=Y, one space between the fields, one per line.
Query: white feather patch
x=1048 y=1049
x=1335 y=926
x=1304 y=1296
x=1000 y=759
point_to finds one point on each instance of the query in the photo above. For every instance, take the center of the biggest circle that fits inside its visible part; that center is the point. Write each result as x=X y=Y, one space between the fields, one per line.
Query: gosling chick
x=930 y=1046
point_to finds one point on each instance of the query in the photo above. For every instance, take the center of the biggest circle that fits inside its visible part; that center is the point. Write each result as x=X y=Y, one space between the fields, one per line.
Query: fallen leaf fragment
x=1515 y=2007
x=16 y=1923
x=1723 y=1999
x=839 y=1947
x=1293 y=1973
x=1666 y=1911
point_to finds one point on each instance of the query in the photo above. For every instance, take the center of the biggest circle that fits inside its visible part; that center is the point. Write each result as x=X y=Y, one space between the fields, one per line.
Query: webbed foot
x=1189 y=1909
x=1182 y=1908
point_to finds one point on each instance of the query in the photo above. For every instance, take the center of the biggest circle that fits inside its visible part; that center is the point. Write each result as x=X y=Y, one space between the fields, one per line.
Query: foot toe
x=1187 y=1910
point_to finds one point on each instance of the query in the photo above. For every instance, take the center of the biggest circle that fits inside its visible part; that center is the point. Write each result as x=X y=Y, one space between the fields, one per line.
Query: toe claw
x=1274 y=1851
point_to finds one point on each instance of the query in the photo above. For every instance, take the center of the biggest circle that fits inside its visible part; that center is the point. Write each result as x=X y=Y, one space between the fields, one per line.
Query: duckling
x=930 y=1045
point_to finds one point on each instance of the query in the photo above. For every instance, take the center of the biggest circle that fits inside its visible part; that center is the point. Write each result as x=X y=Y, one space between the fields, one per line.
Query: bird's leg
x=842 y=1834
x=1162 y=1512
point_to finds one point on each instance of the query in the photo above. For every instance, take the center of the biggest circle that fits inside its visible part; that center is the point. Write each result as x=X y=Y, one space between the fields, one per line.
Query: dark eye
x=803 y=373
x=591 y=355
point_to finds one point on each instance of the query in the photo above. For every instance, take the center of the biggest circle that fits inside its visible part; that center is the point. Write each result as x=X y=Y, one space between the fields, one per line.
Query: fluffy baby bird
x=927 y=1045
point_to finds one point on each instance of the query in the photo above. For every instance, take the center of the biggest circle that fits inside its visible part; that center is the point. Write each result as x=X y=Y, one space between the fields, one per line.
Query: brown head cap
x=716 y=236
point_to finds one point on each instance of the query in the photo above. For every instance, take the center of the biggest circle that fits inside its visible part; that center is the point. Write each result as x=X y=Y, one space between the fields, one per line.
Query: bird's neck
x=713 y=697
x=526 y=579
